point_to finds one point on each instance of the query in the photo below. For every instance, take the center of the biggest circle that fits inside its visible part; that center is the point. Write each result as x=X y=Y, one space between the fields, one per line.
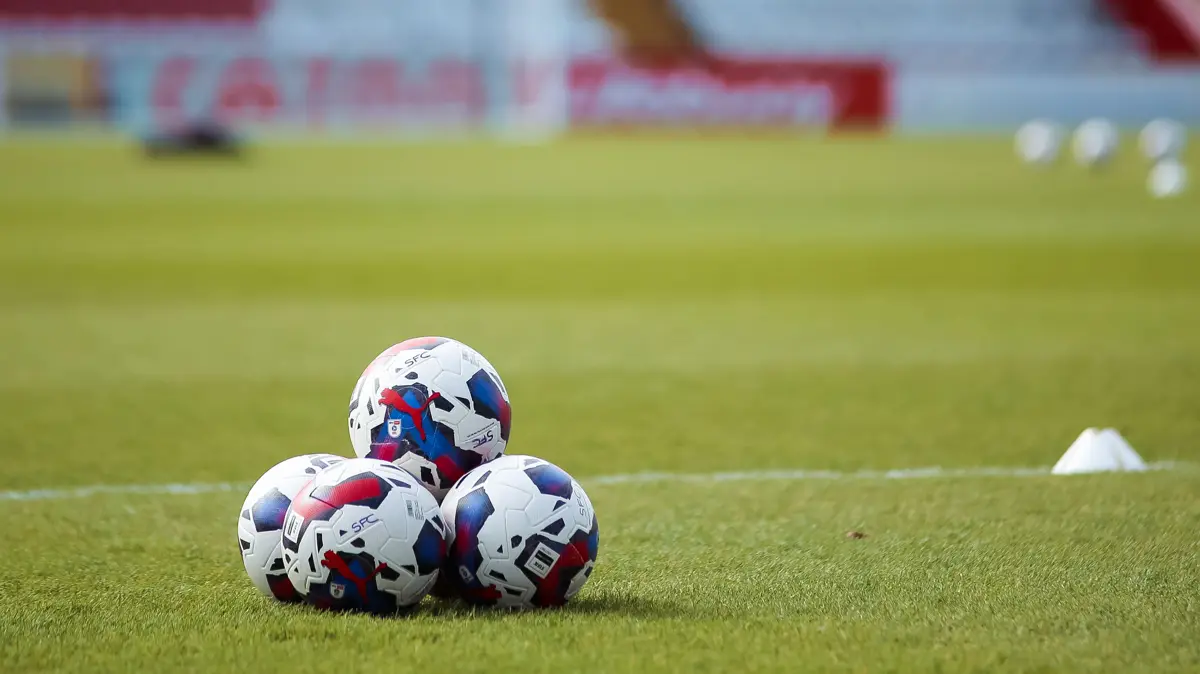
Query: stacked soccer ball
x=1095 y=142
x=430 y=500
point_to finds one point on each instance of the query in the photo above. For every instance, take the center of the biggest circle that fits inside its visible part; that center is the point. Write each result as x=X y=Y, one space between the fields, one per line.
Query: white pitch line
x=179 y=489
x=93 y=490
x=826 y=475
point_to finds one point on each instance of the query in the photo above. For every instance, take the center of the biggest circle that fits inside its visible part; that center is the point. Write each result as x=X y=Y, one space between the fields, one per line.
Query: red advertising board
x=393 y=93
x=746 y=92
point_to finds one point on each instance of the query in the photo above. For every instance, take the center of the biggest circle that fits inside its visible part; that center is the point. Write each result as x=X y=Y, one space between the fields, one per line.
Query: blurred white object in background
x=1039 y=141
x=1095 y=142
x=1168 y=178
x=1163 y=139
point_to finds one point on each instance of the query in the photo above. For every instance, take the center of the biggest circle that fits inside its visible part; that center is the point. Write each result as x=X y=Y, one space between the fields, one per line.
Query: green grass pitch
x=661 y=304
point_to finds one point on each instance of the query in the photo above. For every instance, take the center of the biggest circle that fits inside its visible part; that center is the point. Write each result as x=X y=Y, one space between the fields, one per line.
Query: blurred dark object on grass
x=201 y=139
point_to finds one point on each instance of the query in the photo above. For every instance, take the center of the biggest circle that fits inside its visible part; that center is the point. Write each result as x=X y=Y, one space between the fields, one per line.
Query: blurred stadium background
x=545 y=66
x=699 y=306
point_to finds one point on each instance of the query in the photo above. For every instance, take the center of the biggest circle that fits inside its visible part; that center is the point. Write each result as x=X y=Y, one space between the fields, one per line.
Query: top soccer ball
x=432 y=406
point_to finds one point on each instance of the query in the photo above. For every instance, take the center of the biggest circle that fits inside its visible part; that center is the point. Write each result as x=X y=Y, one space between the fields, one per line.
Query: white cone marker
x=1099 y=451
x=1168 y=178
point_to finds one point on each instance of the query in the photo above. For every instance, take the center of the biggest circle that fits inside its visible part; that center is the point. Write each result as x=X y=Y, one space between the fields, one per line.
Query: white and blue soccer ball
x=364 y=535
x=522 y=534
x=433 y=406
x=260 y=521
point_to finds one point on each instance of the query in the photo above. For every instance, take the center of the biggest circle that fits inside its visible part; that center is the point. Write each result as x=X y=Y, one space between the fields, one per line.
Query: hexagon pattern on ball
x=522 y=534
x=433 y=406
x=366 y=536
x=260 y=521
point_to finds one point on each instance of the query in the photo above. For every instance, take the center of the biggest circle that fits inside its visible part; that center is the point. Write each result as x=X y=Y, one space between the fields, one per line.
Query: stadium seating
x=1007 y=35
x=1010 y=36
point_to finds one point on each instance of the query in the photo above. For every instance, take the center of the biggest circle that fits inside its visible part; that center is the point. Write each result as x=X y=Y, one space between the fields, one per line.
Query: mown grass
x=676 y=305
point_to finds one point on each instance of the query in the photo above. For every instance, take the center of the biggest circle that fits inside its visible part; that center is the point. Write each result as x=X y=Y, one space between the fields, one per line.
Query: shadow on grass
x=588 y=604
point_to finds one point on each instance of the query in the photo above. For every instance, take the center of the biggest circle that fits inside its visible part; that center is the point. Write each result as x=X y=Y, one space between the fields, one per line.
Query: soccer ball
x=364 y=535
x=522 y=534
x=1163 y=139
x=1095 y=142
x=1039 y=141
x=260 y=522
x=432 y=406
